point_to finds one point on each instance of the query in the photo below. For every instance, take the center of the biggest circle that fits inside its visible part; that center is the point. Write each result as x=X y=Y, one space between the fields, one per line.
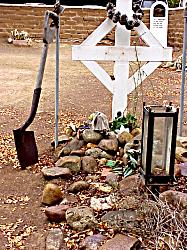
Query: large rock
x=55 y=172
x=109 y=145
x=94 y=152
x=92 y=242
x=181 y=141
x=112 y=180
x=89 y=164
x=72 y=162
x=81 y=218
x=61 y=139
x=104 y=203
x=136 y=131
x=74 y=144
x=180 y=153
x=55 y=240
x=78 y=186
x=122 y=242
x=98 y=153
x=56 y=213
x=128 y=219
x=51 y=194
x=91 y=136
x=124 y=137
x=175 y=198
x=130 y=185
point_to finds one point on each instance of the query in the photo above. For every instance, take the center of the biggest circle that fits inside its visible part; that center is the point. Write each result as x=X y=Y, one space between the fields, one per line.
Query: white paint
x=159 y=25
x=122 y=53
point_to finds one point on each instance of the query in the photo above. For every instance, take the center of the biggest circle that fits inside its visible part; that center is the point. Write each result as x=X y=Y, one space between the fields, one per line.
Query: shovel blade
x=26 y=147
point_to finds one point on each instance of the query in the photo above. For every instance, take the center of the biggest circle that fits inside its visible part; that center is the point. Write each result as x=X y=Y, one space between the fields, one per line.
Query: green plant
x=173 y=3
x=128 y=121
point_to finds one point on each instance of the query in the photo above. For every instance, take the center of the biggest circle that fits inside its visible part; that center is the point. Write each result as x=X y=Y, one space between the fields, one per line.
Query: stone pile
x=81 y=160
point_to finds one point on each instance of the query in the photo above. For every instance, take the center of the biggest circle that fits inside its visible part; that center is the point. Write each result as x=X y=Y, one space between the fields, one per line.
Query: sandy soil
x=80 y=95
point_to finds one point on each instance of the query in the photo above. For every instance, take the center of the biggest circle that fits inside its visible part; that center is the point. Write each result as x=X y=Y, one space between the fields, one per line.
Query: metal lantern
x=159 y=130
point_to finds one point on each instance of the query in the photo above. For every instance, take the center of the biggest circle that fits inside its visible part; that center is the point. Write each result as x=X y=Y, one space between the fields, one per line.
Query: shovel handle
x=37 y=90
x=35 y=101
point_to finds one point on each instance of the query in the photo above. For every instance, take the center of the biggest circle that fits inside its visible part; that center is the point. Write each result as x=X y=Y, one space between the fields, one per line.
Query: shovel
x=24 y=140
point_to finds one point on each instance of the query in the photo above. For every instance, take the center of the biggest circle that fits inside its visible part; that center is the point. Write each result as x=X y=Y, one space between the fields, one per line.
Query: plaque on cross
x=121 y=53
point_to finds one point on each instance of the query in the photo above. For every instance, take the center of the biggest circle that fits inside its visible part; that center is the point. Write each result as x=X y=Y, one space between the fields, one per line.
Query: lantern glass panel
x=145 y=138
x=162 y=138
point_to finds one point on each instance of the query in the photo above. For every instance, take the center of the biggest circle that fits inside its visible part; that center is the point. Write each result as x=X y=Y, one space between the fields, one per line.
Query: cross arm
x=125 y=54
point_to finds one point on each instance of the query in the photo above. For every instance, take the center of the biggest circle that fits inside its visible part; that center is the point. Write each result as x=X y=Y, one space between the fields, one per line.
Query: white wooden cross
x=122 y=53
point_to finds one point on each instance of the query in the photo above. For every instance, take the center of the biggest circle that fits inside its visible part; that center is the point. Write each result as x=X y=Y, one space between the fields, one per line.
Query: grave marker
x=159 y=21
x=122 y=53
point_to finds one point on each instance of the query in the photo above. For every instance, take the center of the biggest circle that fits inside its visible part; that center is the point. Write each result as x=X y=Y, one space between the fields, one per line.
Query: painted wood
x=100 y=73
x=122 y=54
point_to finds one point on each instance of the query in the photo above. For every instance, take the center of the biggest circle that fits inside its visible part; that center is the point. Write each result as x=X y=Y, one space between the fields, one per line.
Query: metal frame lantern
x=159 y=131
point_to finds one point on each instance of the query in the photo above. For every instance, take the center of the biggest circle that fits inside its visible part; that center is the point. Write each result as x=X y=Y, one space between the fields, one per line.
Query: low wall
x=76 y=22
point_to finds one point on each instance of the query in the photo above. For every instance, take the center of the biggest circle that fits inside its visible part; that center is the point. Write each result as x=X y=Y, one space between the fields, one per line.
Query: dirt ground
x=21 y=211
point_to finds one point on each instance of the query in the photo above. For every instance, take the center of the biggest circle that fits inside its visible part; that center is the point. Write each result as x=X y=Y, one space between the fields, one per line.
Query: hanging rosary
x=123 y=18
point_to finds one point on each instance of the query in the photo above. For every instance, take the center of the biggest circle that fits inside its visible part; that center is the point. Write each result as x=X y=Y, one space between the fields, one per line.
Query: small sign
x=159 y=21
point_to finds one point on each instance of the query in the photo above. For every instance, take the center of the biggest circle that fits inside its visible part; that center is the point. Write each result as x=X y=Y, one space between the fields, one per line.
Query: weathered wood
x=100 y=73
x=122 y=54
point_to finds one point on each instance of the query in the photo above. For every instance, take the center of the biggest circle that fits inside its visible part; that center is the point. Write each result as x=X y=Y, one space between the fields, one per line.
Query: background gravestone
x=159 y=21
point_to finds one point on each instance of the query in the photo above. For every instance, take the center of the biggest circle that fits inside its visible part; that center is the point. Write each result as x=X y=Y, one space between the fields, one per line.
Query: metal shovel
x=24 y=140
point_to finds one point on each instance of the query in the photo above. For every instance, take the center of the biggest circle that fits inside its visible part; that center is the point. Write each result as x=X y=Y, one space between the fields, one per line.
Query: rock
x=125 y=159
x=91 y=145
x=102 y=162
x=104 y=203
x=91 y=136
x=74 y=144
x=136 y=131
x=106 y=171
x=132 y=202
x=123 y=218
x=181 y=141
x=180 y=153
x=124 y=137
x=61 y=139
x=181 y=169
x=175 y=198
x=51 y=194
x=92 y=178
x=109 y=145
x=177 y=170
x=130 y=185
x=135 y=144
x=78 y=186
x=112 y=135
x=112 y=180
x=121 y=152
x=81 y=218
x=121 y=242
x=55 y=172
x=72 y=162
x=55 y=240
x=79 y=152
x=89 y=164
x=56 y=213
x=92 y=242
x=104 y=188
x=69 y=199
x=94 y=152
x=104 y=154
